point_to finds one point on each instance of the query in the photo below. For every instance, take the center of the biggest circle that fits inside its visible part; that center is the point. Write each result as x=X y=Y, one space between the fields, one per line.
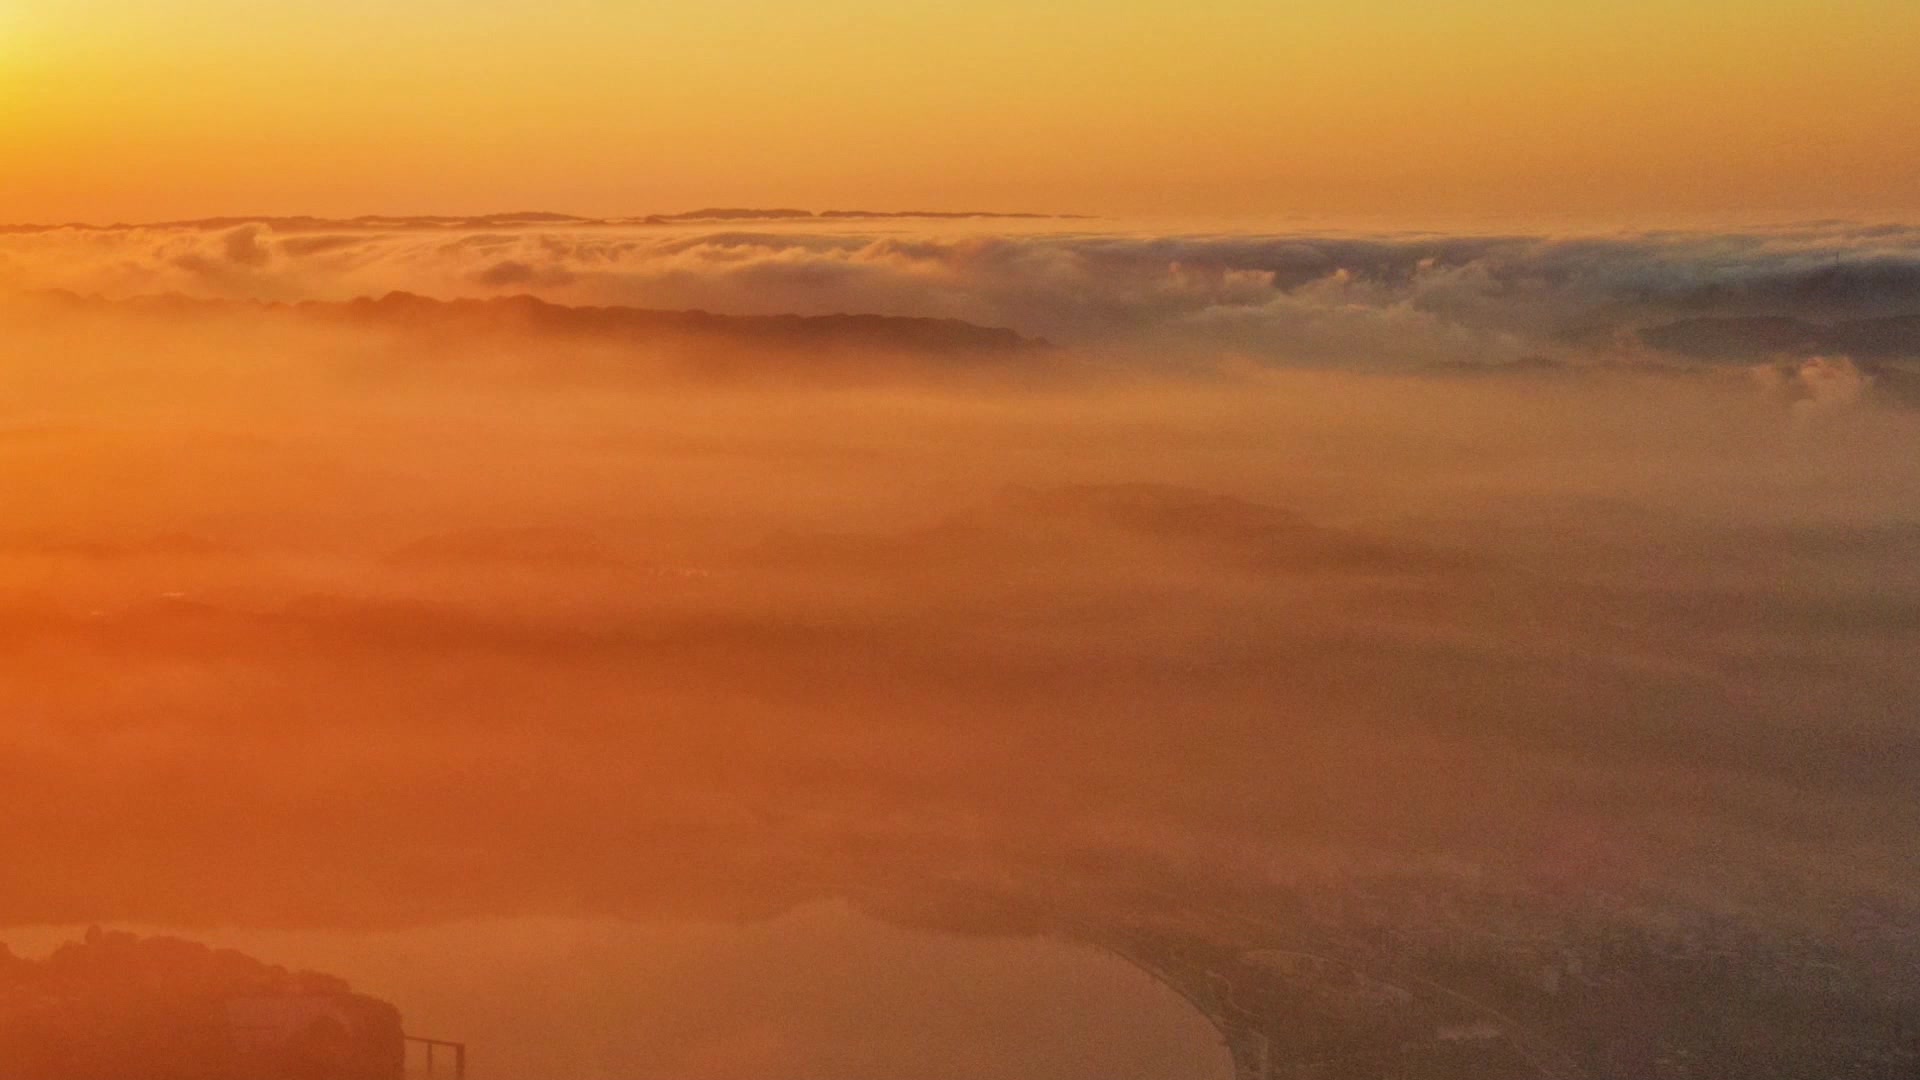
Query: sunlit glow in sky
x=135 y=109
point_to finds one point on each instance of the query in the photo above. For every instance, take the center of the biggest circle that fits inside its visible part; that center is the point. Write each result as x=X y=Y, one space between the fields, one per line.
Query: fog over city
x=1520 y=627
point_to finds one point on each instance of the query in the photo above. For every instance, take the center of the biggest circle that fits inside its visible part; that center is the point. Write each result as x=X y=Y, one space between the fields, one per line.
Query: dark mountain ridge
x=525 y=314
x=1891 y=337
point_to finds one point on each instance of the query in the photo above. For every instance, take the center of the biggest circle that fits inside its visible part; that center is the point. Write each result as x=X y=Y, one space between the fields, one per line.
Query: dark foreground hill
x=117 y=1007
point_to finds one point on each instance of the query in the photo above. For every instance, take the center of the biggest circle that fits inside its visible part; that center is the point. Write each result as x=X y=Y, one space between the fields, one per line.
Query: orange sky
x=145 y=109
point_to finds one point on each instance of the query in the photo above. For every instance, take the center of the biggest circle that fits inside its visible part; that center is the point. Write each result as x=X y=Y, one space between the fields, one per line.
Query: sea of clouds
x=1532 y=557
x=1380 y=300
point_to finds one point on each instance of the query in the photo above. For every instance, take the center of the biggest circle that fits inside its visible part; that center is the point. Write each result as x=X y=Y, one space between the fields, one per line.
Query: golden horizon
x=1619 y=109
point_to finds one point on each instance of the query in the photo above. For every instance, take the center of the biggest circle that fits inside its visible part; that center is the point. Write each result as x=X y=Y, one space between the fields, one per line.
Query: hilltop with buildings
x=116 y=1005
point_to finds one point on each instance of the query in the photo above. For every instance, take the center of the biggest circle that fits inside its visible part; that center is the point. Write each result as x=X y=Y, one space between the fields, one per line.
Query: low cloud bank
x=1386 y=300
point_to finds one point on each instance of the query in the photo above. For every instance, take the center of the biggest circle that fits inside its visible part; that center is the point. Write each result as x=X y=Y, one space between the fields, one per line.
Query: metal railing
x=436 y=1058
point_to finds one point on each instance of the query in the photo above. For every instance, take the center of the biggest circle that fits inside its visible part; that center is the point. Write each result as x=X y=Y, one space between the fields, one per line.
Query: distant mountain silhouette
x=731 y=213
x=947 y=215
x=529 y=315
x=532 y=313
x=176 y=625
x=1163 y=522
x=157 y=546
x=539 y=546
x=1749 y=337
